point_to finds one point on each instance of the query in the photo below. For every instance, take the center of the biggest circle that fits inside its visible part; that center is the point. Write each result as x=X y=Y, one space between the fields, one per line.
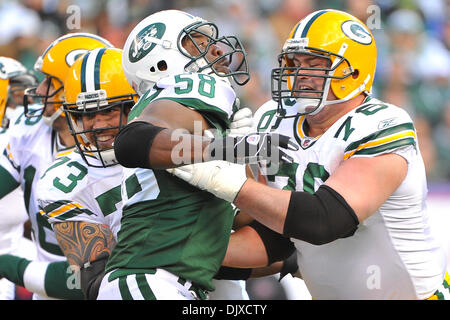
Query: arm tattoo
x=83 y=241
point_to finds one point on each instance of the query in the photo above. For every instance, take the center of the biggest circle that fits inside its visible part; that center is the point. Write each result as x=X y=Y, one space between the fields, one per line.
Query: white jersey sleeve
x=376 y=128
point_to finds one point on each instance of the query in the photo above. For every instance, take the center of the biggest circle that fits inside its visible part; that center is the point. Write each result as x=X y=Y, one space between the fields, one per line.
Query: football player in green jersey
x=169 y=246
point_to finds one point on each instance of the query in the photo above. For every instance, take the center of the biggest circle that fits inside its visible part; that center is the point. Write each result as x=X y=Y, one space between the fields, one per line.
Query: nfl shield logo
x=253 y=139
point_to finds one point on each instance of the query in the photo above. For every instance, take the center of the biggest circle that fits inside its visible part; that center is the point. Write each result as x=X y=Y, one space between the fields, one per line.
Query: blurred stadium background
x=413 y=70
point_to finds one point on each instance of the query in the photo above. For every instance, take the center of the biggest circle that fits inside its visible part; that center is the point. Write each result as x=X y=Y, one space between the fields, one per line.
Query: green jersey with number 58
x=166 y=222
x=387 y=248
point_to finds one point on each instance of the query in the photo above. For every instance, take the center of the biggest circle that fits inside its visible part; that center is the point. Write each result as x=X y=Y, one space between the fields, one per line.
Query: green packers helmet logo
x=356 y=31
x=144 y=43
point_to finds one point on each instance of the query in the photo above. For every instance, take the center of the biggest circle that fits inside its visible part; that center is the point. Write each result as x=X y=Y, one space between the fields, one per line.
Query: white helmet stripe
x=90 y=70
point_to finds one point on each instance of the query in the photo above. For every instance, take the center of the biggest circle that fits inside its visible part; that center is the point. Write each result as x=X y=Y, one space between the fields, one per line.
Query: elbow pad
x=133 y=143
x=319 y=218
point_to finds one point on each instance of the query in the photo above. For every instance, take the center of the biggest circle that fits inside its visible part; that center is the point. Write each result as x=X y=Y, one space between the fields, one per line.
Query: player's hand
x=221 y=178
x=242 y=123
x=252 y=148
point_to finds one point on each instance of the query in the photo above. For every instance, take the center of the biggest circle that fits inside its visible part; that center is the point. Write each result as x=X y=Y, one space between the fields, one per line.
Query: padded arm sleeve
x=277 y=246
x=230 y=273
x=133 y=143
x=319 y=218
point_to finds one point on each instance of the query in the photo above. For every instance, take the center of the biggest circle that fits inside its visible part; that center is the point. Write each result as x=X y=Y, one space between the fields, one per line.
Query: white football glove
x=242 y=123
x=221 y=178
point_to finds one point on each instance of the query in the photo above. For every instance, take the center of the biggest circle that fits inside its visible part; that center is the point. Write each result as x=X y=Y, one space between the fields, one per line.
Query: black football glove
x=253 y=148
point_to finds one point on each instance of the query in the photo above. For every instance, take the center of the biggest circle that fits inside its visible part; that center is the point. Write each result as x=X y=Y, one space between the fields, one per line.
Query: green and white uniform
x=13 y=215
x=170 y=229
x=393 y=254
x=31 y=149
x=70 y=190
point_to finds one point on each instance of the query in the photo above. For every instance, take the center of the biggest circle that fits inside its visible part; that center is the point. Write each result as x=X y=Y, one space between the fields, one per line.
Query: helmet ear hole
x=162 y=65
x=355 y=74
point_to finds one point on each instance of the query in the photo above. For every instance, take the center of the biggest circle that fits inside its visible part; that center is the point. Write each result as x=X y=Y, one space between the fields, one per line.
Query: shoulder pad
x=375 y=128
x=264 y=115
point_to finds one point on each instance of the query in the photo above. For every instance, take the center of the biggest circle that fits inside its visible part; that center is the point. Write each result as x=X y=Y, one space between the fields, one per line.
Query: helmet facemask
x=14 y=79
x=233 y=55
x=286 y=80
x=17 y=87
x=53 y=99
x=88 y=140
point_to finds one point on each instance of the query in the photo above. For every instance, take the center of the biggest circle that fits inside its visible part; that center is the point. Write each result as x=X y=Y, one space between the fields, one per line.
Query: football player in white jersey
x=36 y=138
x=79 y=193
x=353 y=202
x=14 y=79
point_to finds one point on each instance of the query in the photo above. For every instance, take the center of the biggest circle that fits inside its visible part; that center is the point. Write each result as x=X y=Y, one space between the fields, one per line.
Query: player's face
x=16 y=93
x=104 y=126
x=50 y=88
x=201 y=44
x=310 y=81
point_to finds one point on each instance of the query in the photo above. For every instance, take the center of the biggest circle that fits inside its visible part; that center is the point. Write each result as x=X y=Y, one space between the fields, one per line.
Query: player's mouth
x=306 y=90
x=105 y=140
x=222 y=66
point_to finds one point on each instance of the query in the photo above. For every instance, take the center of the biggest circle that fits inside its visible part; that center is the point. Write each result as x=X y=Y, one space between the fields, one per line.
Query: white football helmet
x=154 y=50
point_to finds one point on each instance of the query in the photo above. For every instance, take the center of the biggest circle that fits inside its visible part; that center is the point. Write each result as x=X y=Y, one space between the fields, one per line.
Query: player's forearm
x=172 y=148
x=144 y=145
x=267 y=205
x=245 y=250
x=88 y=247
x=56 y=279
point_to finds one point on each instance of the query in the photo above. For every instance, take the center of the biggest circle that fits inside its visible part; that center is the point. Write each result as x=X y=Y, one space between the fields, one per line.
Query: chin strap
x=49 y=120
x=107 y=157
